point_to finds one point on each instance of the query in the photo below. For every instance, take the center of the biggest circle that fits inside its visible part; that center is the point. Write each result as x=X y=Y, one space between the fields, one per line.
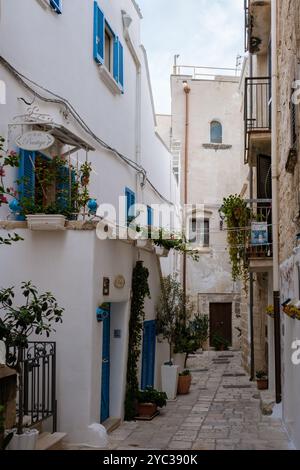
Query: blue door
x=105 y=367
x=148 y=361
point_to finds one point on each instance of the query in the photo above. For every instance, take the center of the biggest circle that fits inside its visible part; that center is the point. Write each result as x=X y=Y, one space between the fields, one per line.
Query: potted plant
x=170 y=315
x=148 y=401
x=220 y=343
x=184 y=382
x=18 y=323
x=191 y=335
x=262 y=380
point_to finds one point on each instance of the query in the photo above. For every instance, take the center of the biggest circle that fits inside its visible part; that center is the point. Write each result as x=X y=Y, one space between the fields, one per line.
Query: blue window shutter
x=26 y=174
x=99 y=32
x=121 y=65
x=57 y=6
x=63 y=188
x=130 y=201
x=150 y=216
x=116 y=59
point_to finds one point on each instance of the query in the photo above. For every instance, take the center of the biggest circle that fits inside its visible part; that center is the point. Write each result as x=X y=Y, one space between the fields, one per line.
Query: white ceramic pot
x=169 y=380
x=25 y=441
x=46 y=222
x=179 y=360
x=161 y=251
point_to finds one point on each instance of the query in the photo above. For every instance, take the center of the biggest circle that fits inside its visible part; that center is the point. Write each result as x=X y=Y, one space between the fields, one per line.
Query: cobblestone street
x=222 y=412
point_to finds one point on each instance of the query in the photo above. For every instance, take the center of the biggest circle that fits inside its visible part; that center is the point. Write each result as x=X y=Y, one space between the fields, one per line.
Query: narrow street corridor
x=221 y=412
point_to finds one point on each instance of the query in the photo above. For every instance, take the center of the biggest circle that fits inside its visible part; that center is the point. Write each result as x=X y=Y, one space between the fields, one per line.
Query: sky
x=204 y=33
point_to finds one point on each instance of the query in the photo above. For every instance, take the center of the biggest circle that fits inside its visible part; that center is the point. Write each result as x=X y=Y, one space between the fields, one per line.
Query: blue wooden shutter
x=148 y=354
x=121 y=65
x=150 y=216
x=57 y=6
x=99 y=33
x=130 y=202
x=26 y=174
x=63 y=188
x=116 y=59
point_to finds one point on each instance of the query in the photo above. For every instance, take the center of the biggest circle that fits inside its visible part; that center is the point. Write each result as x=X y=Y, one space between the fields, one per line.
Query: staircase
x=48 y=441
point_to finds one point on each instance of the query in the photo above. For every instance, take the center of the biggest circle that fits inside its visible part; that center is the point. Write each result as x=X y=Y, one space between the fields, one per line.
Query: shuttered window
x=264 y=177
x=99 y=33
x=130 y=205
x=57 y=6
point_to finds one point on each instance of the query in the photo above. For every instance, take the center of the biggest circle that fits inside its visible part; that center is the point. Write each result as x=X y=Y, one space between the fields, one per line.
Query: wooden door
x=105 y=382
x=220 y=321
x=148 y=358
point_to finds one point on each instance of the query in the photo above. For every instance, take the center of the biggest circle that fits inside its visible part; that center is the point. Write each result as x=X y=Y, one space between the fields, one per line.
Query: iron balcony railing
x=257 y=108
x=259 y=242
x=39 y=382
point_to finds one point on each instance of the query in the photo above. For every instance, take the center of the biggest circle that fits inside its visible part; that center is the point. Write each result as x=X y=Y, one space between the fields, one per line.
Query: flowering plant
x=7 y=159
x=270 y=311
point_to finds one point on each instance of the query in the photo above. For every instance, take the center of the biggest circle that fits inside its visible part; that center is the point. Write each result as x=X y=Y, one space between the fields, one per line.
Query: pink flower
x=2 y=171
x=12 y=153
x=3 y=199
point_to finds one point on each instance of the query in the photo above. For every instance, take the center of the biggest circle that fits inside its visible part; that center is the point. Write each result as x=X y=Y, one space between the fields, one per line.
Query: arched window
x=216 y=132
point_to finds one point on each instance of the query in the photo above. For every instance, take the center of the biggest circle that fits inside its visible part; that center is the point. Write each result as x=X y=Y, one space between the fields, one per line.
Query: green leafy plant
x=219 y=342
x=150 y=395
x=10 y=239
x=261 y=375
x=185 y=373
x=191 y=335
x=238 y=219
x=172 y=241
x=140 y=290
x=35 y=316
x=171 y=312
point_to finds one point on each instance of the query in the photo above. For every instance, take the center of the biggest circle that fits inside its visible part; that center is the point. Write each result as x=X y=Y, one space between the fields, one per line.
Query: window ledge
x=217 y=146
x=109 y=81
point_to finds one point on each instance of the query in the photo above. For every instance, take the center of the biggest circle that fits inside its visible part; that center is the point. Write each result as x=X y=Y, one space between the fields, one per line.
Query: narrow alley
x=221 y=412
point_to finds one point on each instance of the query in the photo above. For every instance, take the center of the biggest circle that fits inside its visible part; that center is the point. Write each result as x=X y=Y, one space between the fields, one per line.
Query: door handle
x=105 y=361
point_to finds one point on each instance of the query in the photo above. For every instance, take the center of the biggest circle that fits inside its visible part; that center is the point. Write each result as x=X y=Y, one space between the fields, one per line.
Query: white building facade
x=87 y=83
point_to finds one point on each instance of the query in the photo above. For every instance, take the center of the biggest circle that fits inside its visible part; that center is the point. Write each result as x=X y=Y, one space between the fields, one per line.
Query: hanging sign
x=35 y=140
x=259 y=233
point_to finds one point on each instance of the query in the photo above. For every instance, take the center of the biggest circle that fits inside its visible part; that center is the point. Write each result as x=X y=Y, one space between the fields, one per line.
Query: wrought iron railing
x=38 y=400
x=257 y=108
x=260 y=243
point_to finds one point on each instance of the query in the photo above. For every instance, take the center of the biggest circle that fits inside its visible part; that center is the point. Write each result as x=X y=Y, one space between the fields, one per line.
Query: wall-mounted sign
x=259 y=233
x=35 y=140
x=119 y=282
x=106 y=283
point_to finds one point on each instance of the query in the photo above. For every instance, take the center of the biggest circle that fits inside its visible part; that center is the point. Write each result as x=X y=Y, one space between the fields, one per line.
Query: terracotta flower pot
x=147 y=410
x=262 y=384
x=184 y=383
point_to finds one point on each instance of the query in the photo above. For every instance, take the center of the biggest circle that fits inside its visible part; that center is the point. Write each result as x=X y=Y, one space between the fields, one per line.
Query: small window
x=199 y=232
x=57 y=6
x=216 y=132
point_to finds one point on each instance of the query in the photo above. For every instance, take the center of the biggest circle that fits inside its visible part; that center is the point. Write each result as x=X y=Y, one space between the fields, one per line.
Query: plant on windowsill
x=17 y=324
x=262 y=380
x=148 y=402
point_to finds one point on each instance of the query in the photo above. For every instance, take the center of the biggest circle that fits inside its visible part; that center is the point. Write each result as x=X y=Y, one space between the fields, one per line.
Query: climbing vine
x=238 y=219
x=140 y=290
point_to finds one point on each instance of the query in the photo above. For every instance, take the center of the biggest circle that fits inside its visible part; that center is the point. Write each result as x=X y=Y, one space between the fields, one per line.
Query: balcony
x=257 y=26
x=257 y=118
x=259 y=248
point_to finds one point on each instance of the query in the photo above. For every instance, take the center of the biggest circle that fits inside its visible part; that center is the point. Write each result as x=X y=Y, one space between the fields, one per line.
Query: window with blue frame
x=56 y=5
x=216 y=132
x=43 y=185
x=130 y=205
x=108 y=49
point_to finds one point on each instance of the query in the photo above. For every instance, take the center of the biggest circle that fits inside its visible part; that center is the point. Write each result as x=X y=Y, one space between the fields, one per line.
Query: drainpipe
x=275 y=209
x=187 y=91
x=251 y=290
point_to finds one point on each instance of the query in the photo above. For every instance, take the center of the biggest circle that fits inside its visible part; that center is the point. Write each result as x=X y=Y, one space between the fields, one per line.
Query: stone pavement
x=221 y=412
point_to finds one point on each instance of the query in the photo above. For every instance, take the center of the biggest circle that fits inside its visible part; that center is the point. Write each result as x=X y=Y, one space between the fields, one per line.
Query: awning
x=65 y=136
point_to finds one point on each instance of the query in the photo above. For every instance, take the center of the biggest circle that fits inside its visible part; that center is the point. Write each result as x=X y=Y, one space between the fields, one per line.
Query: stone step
x=47 y=441
x=111 y=424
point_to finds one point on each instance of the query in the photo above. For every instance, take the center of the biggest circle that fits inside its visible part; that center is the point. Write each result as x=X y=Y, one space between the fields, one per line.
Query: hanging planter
x=161 y=251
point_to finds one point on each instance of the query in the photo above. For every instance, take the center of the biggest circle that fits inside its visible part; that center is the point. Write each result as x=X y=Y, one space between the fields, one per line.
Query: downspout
x=275 y=209
x=251 y=277
x=187 y=91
